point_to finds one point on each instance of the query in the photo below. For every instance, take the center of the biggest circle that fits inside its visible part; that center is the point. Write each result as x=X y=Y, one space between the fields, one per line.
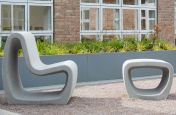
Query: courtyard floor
x=106 y=99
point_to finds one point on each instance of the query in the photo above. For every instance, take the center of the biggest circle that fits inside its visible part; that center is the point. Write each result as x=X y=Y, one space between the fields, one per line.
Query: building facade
x=73 y=20
x=35 y=16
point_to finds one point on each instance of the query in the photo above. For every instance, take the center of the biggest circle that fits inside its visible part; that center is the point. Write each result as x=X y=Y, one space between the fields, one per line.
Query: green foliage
x=93 y=46
x=129 y=44
x=113 y=45
x=145 y=45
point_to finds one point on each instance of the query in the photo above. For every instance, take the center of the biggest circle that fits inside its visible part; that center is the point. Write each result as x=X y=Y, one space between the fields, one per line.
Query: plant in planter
x=155 y=35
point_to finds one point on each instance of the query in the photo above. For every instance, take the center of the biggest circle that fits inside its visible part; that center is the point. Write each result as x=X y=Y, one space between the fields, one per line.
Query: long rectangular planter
x=92 y=67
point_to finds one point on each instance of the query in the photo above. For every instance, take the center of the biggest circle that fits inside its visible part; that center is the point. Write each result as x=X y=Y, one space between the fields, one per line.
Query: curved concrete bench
x=15 y=93
x=158 y=93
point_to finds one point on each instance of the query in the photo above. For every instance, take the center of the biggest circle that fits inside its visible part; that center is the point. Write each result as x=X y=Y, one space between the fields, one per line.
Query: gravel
x=105 y=99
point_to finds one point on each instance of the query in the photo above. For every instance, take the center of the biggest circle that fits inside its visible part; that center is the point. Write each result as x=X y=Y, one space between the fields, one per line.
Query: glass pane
x=111 y=19
x=40 y=18
x=143 y=24
x=151 y=24
x=148 y=2
x=86 y=14
x=110 y=37
x=152 y=2
x=44 y=38
x=111 y=1
x=151 y=13
x=86 y=26
x=127 y=36
x=19 y=17
x=3 y=41
x=89 y=1
x=89 y=37
x=89 y=18
x=6 y=17
x=130 y=17
x=130 y=2
x=143 y=36
x=143 y=13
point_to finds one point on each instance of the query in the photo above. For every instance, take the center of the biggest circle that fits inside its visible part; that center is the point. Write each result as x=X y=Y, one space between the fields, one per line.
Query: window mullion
x=12 y=18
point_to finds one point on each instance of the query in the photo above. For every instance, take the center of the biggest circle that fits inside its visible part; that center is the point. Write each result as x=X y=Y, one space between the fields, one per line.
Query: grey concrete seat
x=14 y=91
x=158 y=93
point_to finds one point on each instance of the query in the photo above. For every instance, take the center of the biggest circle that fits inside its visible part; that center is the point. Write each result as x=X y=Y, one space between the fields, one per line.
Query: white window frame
x=82 y=17
x=100 y=6
x=27 y=4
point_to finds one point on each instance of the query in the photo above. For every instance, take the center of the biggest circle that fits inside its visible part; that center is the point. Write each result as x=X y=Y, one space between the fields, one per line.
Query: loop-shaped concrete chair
x=15 y=93
x=158 y=93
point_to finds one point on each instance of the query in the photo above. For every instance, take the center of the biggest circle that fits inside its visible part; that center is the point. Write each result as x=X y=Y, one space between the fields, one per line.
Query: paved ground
x=108 y=99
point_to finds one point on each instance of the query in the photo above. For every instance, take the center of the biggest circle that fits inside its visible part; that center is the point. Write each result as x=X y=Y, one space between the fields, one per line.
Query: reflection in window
x=110 y=37
x=40 y=18
x=130 y=19
x=152 y=19
x=88 y=37
x=19 y=17
x=143 y=19
x=89 y=1
x=111 y=19
x=151 y=13
x=3 y=41
x=89 y=19
x=148 y=2
x=130 y=2
x=130 y=36
x=118 y=17
x=43 y=38
x=6 y=17
x=111 y=1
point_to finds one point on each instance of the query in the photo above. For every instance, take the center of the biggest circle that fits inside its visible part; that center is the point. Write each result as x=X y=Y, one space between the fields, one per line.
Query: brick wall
x=166 y=19
x=67 y=20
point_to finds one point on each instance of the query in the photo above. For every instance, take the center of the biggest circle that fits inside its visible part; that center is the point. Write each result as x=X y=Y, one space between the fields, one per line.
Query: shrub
x=93 y=46
x=113 y=45
x=129 y=44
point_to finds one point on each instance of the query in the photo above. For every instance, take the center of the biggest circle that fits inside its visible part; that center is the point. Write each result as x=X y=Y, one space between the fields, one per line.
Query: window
x=6 y=18
x=130 y=19
x=105 y=19
x=35 y=16
x=85 y=25
x=111 y=1
x=111 y=19
x=130 y=2
x=151 y=19
x=40 y=18
x=148 y=2
x=19 y=17
x=89 y=19
x=89 y=1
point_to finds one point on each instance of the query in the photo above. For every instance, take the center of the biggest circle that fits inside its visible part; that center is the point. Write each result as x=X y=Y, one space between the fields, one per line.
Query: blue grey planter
x=93 y=67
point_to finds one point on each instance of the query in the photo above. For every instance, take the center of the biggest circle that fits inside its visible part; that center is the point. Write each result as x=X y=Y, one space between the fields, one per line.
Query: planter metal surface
x=93 y=67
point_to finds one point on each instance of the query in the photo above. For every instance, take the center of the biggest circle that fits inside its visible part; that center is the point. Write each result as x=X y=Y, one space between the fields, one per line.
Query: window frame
x=100 y=5
x=27 y=4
